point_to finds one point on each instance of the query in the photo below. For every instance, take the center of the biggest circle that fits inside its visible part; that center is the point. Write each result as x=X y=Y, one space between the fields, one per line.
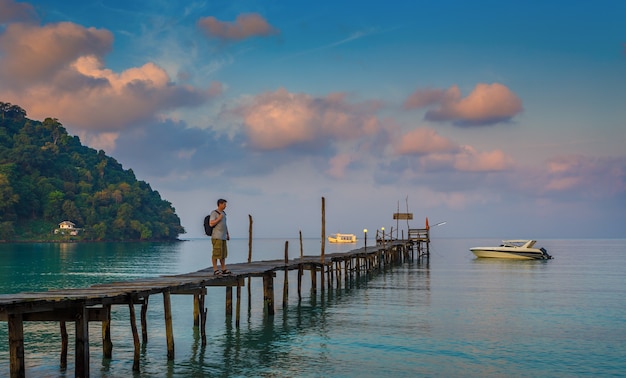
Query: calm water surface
x=454 y=315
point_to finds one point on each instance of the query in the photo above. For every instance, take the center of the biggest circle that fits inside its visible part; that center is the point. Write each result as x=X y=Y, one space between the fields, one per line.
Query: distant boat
x=342 y=238
x=513 y=249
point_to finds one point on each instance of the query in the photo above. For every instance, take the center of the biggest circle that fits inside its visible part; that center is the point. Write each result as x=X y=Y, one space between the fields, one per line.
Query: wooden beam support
x=313 y=279
x=82 y=343
x=268 y=293
x=229 y=301
x=169 y=329
x=144 y=321
x=64 y=345
x=300 y=272
x=286 y=280
x=238 y=309
x=94 y=314
x=133 y=327
x=107 y=344
x=196 y=309
x=203 y=313
x=16 y=346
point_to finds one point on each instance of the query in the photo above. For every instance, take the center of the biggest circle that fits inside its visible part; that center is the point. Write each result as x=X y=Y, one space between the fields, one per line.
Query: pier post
x=300 y=272
x=133 y=327
x=107 y=344
x=144 y=320
x=229 y=302
x=323 y=254
x=64 y=344
x=169 y=332
x=313 y=270
x=238 y=309
x=82 y=342
x=196 y=309
x=286 y=280
x=16 y=345
x=202 y=314
x=322 y=277
x=268 y=292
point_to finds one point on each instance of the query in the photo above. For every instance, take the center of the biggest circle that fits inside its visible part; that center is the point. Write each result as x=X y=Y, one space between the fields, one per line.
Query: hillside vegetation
x=48 y=176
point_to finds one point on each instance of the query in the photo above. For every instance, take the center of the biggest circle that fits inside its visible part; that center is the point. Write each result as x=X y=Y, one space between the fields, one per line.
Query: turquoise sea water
x=453 y=315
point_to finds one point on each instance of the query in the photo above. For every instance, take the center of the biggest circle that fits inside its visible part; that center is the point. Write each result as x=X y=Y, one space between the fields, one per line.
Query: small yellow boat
x=342 y=238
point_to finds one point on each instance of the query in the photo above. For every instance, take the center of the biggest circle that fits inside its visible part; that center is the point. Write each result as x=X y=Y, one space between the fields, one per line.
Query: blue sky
x=505 y=119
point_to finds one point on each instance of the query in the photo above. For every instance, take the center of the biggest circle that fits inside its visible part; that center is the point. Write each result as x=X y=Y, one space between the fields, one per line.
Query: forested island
x=52 y=188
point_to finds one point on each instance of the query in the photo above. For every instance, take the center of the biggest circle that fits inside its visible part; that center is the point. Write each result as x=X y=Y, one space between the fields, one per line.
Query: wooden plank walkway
x=84 y=305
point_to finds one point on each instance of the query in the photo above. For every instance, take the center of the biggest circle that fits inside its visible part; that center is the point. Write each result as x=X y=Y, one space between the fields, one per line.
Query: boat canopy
x=518 y=243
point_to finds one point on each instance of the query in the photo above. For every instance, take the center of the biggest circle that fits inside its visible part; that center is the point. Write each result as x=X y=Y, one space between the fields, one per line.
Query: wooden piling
x=196 y=309
x=286 y=280
x=229 y=301
x=323 y=230
x=238 y=309
x=16 y=345
x=249 y=238
x=144 y=321
x=133 y=327
x=268 y=293
x=249 y=261
x=301 y=246
x=107 y=344
x=300 y=272
x=64 y=345
x=313 y=270
x=82 y=342
x=169 y=331
x=202 y=313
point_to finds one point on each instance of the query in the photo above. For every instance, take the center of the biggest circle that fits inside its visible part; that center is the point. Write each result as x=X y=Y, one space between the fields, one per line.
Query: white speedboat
x=342 y=238
x=513 y=249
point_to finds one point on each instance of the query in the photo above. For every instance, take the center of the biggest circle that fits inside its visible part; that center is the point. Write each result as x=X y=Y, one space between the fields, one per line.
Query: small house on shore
x=67 y=227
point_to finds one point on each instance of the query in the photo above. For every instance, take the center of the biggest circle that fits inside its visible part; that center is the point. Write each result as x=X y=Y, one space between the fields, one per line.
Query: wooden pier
x=93 y=304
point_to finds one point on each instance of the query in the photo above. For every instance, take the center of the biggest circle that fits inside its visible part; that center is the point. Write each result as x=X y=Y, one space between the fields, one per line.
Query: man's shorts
x=220 y=251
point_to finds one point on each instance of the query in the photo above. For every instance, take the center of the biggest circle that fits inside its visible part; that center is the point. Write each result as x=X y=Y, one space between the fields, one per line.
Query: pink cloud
x=423 y=141
x=244 y=26
x=486 y=104
x=439 y=153
x=31 y=53
x=424 y=98
x=338 y=165
x=57 y=71
x=10 y=11
x=592 y=177
x=280 y=119
x=470 y=160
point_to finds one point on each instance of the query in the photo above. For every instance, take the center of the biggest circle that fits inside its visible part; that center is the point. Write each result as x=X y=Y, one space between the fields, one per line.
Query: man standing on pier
x=219 y=237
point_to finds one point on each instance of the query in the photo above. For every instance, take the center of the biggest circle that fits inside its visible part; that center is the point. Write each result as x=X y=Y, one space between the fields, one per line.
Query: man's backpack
x=207 y=226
